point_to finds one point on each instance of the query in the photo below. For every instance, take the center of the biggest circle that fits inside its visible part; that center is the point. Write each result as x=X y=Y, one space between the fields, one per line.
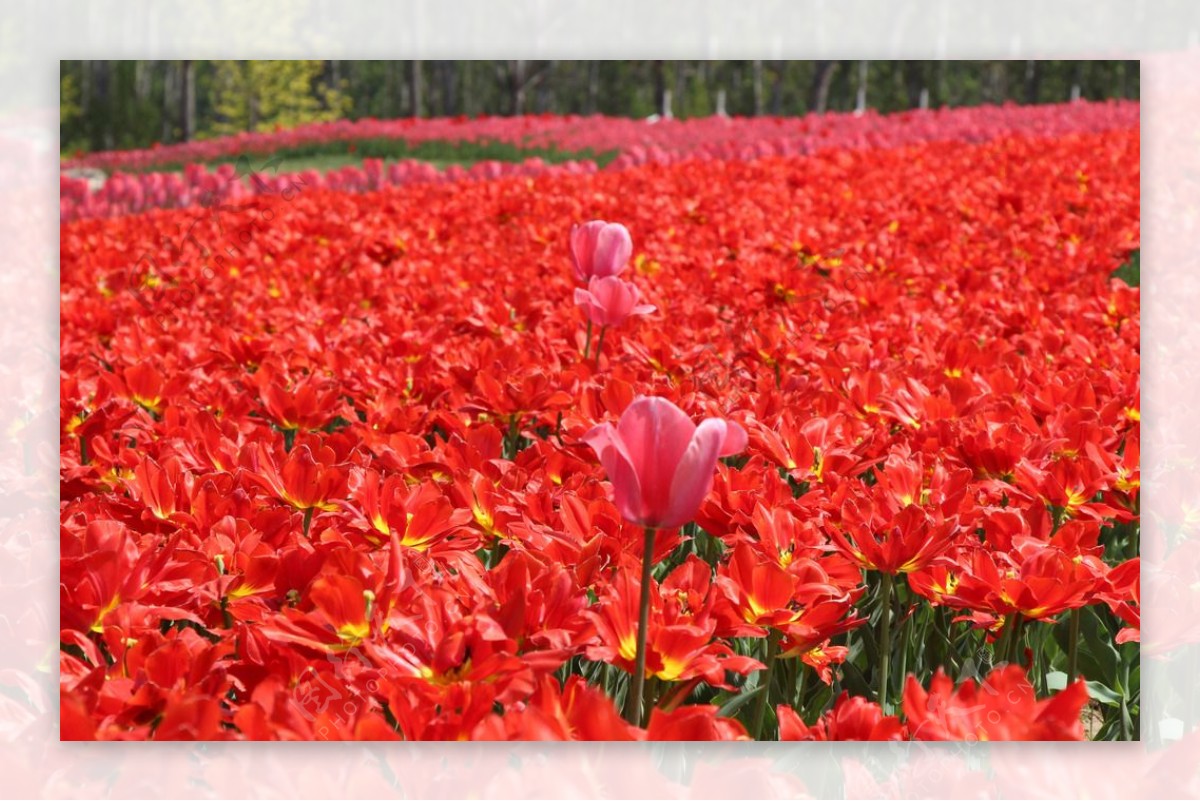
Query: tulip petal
x=593 y=307
x=609 y=300
x=583 y=248
x=622 y=473
x=613 y=297
x=694 y=476
x=656 y=434
x=585 y=299
x=736 y=439
x=612 y=250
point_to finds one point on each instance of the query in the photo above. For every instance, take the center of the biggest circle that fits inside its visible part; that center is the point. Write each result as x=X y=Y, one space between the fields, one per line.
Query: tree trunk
x=679 y=94
x=389 y=91
x=758 y=88
x=141 y=81
x=397 y=100
x=593 y=86
x=187 y=101
x=914 y=83
x=777 y=88
x=449 y=80
x=997 y=82
x=1033 y=80
x=103 y=90
x=169 y=106
x=823 y=77
x=520 y=81
x=659 y=76
x=85 y=85
x=516 y=80
x=466 y=96
x=415 y=80
x=537 y=83
x=860 y=97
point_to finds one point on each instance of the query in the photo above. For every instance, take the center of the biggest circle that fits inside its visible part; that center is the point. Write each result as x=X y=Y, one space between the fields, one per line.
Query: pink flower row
x=664 y=142
x=124 y=193
x=639 y=141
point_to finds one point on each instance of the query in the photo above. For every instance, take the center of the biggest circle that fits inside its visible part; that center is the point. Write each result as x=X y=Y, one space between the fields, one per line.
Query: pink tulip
x=611 y=301
x=661 y=466
x=660 y=463
x=599 y=248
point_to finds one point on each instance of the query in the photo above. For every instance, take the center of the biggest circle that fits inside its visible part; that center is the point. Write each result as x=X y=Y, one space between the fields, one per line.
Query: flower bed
x=335 y=464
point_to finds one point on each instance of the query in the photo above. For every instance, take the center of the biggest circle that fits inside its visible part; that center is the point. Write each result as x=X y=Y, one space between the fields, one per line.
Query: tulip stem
x=633 y=701
x=1014 y=645
x=650 y=694
x=587 y=343
x=760 y=709
x=905 y=633
x=509 y=447
x=600 y=343
x=1126 y=720
x=1073 y=648
x=885 y=639
x=308 y=515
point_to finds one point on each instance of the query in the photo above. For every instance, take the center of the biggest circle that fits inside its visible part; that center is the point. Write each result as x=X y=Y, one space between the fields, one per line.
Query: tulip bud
x=599 y=249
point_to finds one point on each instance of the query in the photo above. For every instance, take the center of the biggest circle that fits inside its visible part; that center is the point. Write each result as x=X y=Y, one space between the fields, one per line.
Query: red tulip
x=611 y=301
x=1003 y=707
x=851 y=718
x=599 y=249
x=659 y=462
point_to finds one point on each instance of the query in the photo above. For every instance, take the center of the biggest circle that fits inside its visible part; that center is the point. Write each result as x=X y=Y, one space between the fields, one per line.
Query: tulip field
x=811 y=429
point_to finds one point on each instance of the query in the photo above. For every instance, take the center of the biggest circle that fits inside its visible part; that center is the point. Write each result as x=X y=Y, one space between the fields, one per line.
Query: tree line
x=127 y=104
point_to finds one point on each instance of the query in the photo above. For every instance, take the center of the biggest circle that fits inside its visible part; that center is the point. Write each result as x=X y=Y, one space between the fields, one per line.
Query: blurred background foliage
x=130 y=104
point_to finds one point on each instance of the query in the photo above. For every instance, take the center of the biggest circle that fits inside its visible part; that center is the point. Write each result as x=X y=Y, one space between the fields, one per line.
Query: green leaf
x=75 y=651
x=855 y=682
x=336 y=424
x=1103 y=694
x=1098 y=657
x=730 y=707
x=1131 y=271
